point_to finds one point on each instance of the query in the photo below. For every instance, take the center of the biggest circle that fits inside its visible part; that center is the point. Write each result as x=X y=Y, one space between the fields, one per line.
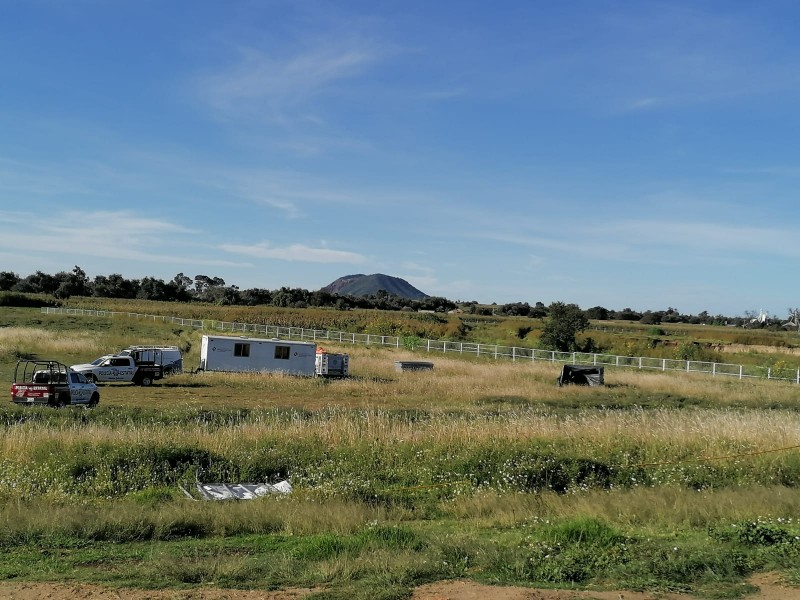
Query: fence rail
x=494 y=351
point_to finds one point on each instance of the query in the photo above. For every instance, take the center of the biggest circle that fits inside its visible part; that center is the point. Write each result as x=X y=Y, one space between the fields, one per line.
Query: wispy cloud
x=662 y=55
x=574 y=239
x=646 y=103
x=295 y=253
x=650 y=241
x=275 y=87
x=121 y=235
x=709 y=237
x=293 y=193
x=39 y=179
x=780 y=170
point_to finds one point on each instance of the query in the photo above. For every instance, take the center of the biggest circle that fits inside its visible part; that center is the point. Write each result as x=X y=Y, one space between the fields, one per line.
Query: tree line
x=599 y=313
x=204 y=288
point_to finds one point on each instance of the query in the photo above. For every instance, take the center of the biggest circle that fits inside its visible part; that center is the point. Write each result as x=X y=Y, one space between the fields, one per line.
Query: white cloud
x=649 y=241
x=290 y=192
x=295 y=252
x=122 y=235
x=275 y=87
x=709 y=237
x=19 y=178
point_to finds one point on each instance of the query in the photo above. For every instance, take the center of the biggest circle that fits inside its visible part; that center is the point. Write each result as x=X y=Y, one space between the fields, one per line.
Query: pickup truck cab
x=50 y=383
x=118 y=368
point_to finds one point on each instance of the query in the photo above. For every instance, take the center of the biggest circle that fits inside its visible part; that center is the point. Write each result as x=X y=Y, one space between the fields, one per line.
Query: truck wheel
x=62 y=401
x=145 y=380
x=93 y=401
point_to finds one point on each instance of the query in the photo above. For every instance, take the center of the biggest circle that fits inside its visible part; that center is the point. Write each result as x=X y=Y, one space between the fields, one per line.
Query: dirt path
x=770 y=588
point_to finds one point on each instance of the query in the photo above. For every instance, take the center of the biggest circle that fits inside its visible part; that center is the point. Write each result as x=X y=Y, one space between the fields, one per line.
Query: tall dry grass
x=18 y=341
x=651 y=509
x=717 y=432
x=459 y=402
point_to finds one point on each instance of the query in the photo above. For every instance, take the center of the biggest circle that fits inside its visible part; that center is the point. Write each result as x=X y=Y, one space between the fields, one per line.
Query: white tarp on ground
x=239 y=491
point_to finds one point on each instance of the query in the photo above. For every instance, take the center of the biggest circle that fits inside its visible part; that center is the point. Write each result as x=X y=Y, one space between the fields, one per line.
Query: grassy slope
x=477 y=469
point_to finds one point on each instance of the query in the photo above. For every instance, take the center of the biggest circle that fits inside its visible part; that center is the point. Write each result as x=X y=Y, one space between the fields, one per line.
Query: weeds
x=479 y=469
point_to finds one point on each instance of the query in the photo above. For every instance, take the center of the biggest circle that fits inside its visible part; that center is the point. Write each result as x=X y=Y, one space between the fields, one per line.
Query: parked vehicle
x=169 y=357
x=51 y=383
x=330 y=364
x=240 y=354
x=140 y=365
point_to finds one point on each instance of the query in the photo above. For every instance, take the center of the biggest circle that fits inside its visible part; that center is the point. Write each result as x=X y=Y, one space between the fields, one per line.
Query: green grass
x=399 y=553
x=479 y=469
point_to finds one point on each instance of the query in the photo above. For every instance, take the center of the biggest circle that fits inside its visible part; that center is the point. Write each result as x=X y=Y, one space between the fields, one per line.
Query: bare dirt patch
x=745 y=348
x=770 y=587
x=81 y=591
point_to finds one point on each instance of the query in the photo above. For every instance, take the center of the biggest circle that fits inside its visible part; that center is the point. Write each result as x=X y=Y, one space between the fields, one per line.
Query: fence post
x=212 y=325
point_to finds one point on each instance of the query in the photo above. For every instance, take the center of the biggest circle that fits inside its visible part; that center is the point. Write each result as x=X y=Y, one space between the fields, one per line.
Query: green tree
x=563 y=323
x=598 y=313
x=151 y=288
x=75 y=283
x=38 y=283
x=114 y=286
x=8 y=280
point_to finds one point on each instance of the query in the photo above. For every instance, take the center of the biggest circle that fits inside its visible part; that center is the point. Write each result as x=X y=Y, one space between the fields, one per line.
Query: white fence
x=494 y=351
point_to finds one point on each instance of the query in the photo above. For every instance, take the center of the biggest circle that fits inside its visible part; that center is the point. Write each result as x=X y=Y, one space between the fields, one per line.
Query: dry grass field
x=480 y=469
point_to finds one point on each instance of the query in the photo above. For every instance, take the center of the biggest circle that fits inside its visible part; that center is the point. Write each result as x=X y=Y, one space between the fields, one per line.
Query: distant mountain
x=368 y=285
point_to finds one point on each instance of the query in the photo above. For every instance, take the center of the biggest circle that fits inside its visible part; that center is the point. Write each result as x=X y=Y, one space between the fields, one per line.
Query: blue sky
x=612 y=153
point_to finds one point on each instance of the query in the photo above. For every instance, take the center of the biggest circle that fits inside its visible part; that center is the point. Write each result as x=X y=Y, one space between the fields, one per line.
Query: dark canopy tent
x=581 y=375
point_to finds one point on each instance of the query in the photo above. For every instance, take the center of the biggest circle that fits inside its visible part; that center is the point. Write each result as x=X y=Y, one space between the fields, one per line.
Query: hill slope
x=368 y=285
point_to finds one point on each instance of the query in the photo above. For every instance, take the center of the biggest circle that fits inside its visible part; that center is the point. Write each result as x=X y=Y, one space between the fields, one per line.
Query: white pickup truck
x=52 y=383
x=117 y=368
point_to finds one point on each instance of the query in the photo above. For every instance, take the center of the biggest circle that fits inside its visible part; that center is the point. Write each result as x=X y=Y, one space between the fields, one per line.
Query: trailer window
x=282 y=352
x=241 y=350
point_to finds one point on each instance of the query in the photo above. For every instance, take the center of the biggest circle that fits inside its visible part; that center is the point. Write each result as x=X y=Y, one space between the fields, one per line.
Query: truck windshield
x=97 y=361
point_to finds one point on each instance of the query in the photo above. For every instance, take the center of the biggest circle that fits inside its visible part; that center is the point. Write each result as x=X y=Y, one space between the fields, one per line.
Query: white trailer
x=241 y=354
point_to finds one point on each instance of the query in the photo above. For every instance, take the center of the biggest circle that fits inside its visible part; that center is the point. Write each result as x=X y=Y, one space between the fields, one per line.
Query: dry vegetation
x=479 y=468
